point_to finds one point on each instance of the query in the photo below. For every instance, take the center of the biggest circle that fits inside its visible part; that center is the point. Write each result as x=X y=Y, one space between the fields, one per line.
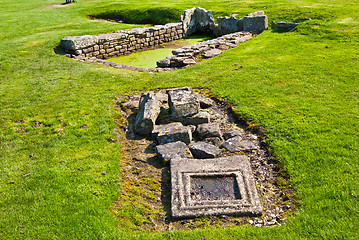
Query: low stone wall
x=97 y=48
x=121 y=42
x=188 y=55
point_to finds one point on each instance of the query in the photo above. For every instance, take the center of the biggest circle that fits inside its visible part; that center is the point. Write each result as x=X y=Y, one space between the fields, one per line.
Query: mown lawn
x=57 y=116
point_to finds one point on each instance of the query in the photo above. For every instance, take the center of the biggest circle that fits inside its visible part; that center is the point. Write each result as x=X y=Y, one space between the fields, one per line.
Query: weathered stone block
x=199 y=118
x=78 y=42
x=148 y=111
x=205 y=187
x=169 y=151
x=255 y=22
x=204 y=150
x=197 y=19
x=208 y=130
x=183 y=103
x=172 y=133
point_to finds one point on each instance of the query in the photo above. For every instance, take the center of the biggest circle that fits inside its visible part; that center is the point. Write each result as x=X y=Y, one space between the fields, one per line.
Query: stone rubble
x=172 y=140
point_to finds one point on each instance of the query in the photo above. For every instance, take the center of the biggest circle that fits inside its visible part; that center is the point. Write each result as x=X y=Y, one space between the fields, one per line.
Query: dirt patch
x=145 y=195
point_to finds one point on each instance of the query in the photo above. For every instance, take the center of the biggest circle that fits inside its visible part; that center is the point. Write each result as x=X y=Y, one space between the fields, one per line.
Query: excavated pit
x=146 y=176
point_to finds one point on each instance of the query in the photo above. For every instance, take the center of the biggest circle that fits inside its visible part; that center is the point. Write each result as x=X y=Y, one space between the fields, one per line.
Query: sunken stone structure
x=210 y=173
x=231 y=31
x=203 y=159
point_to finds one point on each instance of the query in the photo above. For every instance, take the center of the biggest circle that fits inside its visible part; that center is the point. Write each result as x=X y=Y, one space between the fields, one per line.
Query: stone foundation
x=97 y=48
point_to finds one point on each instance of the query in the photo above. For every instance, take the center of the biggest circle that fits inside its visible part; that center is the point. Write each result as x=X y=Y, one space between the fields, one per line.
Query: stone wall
x=121 y=42
x=97 y=48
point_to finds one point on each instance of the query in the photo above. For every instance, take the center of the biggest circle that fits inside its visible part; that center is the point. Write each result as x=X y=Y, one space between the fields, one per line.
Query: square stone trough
x=217 y=186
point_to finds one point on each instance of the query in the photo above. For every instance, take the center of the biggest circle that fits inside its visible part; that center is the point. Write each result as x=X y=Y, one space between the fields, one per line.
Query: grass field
x=57 y=116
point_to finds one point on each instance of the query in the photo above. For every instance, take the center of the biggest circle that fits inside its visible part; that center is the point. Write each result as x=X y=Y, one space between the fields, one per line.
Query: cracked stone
x=169 y=151
x=182 y=103
x=173 y=133
x=204 y=150
x=208 y=130
x=148 y=111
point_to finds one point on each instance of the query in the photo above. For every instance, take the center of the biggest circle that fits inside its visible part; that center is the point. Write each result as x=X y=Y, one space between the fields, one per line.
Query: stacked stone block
x=122 y=42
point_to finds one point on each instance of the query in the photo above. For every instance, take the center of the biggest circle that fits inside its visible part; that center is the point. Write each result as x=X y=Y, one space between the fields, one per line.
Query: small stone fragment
x=232 y=133
x=147 y=114
x=189 y=61
x=214 y=141
x=236 y=144
x=204 y=150
x=164 y=63
x=208 y=130
x=168 y=151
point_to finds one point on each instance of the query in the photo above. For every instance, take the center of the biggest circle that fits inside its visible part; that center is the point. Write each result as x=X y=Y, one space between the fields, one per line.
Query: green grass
x=301 y=87
x=148 y=59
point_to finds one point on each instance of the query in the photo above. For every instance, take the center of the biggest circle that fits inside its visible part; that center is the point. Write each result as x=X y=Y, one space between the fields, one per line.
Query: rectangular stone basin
x=216 y=186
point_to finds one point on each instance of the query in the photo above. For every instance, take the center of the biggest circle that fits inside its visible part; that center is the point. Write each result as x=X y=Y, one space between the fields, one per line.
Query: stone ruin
x=288 y=26
x=210 y=157
x=229 y=30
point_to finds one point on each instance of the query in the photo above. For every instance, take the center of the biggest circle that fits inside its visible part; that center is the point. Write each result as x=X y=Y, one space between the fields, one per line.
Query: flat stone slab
x=169 y=151
x=212 y=53
x=219 y=186
x=204 y=150
x=183 y=103
x=237 y=144
x=168 y=133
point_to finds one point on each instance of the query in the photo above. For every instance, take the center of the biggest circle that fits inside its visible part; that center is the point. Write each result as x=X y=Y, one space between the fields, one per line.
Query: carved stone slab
x=218 y=186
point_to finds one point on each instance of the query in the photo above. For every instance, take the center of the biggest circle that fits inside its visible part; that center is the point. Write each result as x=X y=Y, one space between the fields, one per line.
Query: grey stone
x=148 y=111
x=228 y=25
x=164 y=127
x=197 y=20
x=212 y=53
x=204 y=150
x=299 y=20
x=214 y=141
x=205 y=187
x=183 y=103
x=205 y=102
x=199 y=118
x=237 y=144
x=168 y=151
x=163 y=97
x=232 y=133
x=255 y=22
x=208 y=130
x=189 y=61
x=173 y=133
x=163 y=63
x=284 y=26
x=78 y=42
